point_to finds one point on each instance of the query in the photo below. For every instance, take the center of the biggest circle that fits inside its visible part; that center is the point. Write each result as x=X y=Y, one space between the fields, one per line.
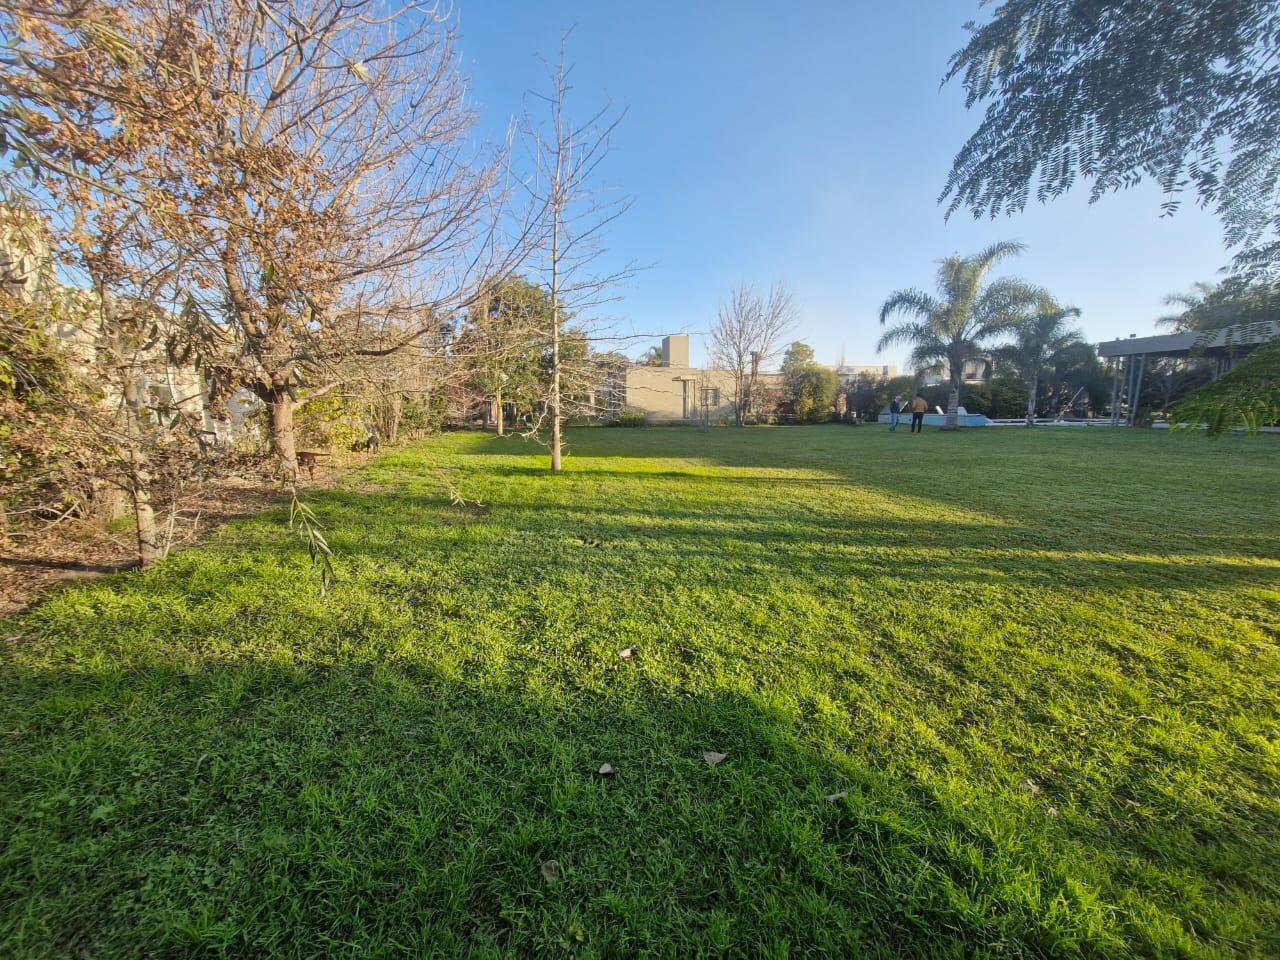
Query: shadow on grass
x=1135 y=492
x=789 y=541
x=208 y=759
x=257 y=809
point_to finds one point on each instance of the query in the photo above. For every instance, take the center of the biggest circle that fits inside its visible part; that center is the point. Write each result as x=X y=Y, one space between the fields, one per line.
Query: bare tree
x=574 y=214
x=748 y=334
x=332 y=195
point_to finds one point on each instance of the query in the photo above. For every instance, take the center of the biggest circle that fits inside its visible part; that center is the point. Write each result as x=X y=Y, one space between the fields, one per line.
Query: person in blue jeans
x=895 y=412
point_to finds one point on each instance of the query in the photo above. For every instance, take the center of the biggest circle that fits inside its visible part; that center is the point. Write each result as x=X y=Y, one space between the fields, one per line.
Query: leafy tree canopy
x=808 y=387
x=798 y=357
x=1213 y=306
x=1115 y=91
x=959 y=323
x=1247 y=396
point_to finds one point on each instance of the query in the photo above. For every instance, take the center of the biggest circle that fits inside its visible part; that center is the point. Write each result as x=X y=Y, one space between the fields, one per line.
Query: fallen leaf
x=714 y=759
x=1053 y=813
x=1030 y=786
x=624 y=654
x=606 y=770
x=837 y=797
x=551 y=871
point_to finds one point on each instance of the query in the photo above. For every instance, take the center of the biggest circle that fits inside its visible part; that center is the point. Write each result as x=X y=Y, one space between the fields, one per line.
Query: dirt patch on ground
x=37 y=560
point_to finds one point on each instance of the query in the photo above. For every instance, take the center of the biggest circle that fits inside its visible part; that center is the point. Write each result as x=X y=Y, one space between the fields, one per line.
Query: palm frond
x=916 y=333
x=1003 y=305
x=954 y=278
x=909 y=302
x=928 y=358
x=989 y=257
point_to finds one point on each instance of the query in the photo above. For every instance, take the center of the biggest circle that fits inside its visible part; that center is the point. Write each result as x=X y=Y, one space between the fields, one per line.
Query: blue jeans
x=893 y=420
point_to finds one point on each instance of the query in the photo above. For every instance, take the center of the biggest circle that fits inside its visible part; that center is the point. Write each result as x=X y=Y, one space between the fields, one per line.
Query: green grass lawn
x=998 y=693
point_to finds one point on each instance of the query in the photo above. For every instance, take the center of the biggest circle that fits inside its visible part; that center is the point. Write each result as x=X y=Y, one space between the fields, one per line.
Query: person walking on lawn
x=895 y=412
x=918 y=407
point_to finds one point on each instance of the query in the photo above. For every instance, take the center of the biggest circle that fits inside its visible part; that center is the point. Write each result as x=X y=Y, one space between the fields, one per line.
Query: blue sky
x=807 y=143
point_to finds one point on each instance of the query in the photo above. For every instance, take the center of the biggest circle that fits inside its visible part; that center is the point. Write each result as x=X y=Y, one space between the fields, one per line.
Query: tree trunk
x=555 y=397
x=498 y=404
x=393 y=418
x=555 y=338
x=280 y=408
x=953 y=407
x=138 y=478
x=144 y=520
x=1034 y=387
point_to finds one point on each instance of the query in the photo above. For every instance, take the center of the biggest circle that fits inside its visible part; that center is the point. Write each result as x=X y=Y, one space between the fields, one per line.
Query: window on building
x=711 y=397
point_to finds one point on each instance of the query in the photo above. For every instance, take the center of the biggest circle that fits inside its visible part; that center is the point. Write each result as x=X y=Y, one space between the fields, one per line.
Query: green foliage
x=423 y=415
x=629 y=417
x=1041 y=339
x=797 y=358
x=504 y=339
x=967 y=315
x=808 y=389
x=331 y=422
x=304 y=522
x=50 y=463
x=1246 y=397
x=1077 y=382
x=1214 y=306
x=1034 y=670
x=868 y=394
x=651 y=357
x=1181 y=91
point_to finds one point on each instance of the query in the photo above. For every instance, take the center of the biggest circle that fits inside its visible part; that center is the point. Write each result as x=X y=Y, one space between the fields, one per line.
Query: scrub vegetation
x=991 y=693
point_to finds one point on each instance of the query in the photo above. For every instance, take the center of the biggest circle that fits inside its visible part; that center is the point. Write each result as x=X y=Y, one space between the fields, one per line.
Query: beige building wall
x=677 y=391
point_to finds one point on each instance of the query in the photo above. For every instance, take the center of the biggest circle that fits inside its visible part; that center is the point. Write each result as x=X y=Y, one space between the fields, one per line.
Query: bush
x=630 y=417
x=419 y=416
x=329 y=422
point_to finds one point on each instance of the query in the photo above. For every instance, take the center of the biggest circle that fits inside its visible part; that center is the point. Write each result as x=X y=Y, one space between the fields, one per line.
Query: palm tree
x=651 y=357
x=1192 y=305
x=1212 y=306
x=1039 y=340
x=962 y=320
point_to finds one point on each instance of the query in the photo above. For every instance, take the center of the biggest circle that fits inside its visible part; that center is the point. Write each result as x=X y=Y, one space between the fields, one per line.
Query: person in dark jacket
x=895 y=412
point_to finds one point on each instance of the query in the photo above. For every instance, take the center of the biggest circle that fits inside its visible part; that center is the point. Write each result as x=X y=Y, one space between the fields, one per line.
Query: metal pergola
x=1225 y=347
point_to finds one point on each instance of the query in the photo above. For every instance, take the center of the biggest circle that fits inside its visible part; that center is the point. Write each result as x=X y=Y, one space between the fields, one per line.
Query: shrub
x=419 y=415
x=630 y=417
x=329 y=422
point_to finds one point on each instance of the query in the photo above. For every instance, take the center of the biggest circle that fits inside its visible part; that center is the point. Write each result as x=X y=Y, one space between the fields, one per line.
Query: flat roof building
x=677 y=391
